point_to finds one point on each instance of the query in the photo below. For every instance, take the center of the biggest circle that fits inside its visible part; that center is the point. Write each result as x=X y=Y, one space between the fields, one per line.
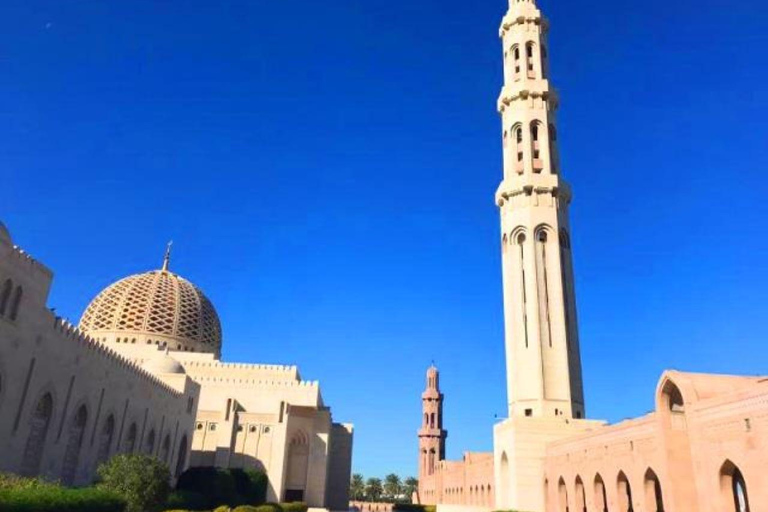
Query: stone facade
x=142 y=374
x=67 y=401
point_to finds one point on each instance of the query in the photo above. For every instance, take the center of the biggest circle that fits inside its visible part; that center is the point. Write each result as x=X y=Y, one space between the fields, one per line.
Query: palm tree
x=411 y=485
x=357 y=487
x=373 y=489
x=392 y=486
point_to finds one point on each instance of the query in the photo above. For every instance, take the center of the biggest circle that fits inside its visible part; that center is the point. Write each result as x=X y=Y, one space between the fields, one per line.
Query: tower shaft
x=541 y=332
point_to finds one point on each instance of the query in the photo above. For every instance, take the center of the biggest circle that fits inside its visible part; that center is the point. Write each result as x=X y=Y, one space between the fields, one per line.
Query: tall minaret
x=431 y=434
x=542 y=342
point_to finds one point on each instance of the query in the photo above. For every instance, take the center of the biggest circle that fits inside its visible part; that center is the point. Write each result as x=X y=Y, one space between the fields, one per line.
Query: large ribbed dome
x=157 y=307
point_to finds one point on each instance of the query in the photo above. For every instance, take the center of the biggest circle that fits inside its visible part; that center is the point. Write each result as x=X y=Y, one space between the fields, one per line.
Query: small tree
x=357 y=487
x=373 y=489
x=392 y=486
x=410 y=486
x=142 y=481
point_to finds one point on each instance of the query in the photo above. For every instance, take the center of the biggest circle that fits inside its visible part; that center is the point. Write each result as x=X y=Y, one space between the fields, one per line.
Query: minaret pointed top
x=167 y=258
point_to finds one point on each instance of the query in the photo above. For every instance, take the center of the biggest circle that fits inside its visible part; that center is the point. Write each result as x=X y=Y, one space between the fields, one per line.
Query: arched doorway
x=165 y=450
x=38 y=431
x=298 y=458
x=733 y=488
x=654 y=502
x=149 y=445
x=74 y=443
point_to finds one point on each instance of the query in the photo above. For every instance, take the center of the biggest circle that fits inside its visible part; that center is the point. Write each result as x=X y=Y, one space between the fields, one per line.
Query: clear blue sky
x=326 y=171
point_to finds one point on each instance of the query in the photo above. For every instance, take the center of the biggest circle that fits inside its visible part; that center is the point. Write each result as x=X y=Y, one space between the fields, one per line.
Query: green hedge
x=414 y=507
x=53 y=498
x=204 y=488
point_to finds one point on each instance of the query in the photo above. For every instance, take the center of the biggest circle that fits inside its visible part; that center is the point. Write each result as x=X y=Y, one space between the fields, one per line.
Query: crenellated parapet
x=110 y=357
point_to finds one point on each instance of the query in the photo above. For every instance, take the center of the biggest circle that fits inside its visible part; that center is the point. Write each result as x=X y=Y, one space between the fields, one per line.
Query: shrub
x=250 y=486
x=296 y=506
x=220 y=487
x=222 y=508
x=41 y=497
x=142 y=481
x=186 y=500
x=246 y=508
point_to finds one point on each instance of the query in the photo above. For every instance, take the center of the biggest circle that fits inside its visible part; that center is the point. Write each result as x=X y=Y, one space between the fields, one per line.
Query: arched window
x=553 y=148
x=538 y=164
x=733 y=488
x=516 y=56
x=426 y=419
x=542 y=278
x=625 y=493
x=38 y=431
x=562 y=495
x=520 y=240
x=581 y=497
x=5 y=296
x=16 y=303
x=74 y=444
x=653 y=499
x=181 y=458
x=517 y=132
x=105 y=440
x=531 y=73
x=149 y=444
x=432 y=420
x=601 y=497
x=130 y=440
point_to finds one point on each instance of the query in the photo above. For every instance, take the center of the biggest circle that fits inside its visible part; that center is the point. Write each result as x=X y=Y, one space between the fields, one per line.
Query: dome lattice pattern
x=159 y=303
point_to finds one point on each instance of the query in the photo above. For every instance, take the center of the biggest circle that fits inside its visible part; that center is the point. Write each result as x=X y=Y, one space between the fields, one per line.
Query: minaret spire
x=167 y=257
x=541 y=335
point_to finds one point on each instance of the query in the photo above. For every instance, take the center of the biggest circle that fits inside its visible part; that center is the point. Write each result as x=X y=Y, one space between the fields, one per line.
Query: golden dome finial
x=167 y=258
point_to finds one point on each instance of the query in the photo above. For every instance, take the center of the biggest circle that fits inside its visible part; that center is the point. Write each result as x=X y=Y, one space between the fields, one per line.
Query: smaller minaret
x=431 y=434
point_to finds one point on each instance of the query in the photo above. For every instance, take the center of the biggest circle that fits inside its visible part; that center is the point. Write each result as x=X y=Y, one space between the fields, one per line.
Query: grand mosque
x=142 y=373
x=703 y=448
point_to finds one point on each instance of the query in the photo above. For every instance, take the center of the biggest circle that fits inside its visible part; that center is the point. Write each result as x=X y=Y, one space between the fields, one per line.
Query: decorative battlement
x=509 y=21
x=306 y=384
x=73 y=333
x=241 y=366
x=510 y=94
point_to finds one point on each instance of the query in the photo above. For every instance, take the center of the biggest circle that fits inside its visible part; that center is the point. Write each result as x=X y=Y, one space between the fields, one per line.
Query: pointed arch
x=579 y=495
x=624 y=490
x=536 y=134
x=562 y=496
x=105 y=440
x=5 y=296
x=38 y=432
x=74 y=445
x=601 y=496
x=504 y=481
x=165 y=449
x=130 y=439
x=530 y=68
x=149 y=443
x=654 y=502
x=733 y=488
x=298 y=466
x=16 y=303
